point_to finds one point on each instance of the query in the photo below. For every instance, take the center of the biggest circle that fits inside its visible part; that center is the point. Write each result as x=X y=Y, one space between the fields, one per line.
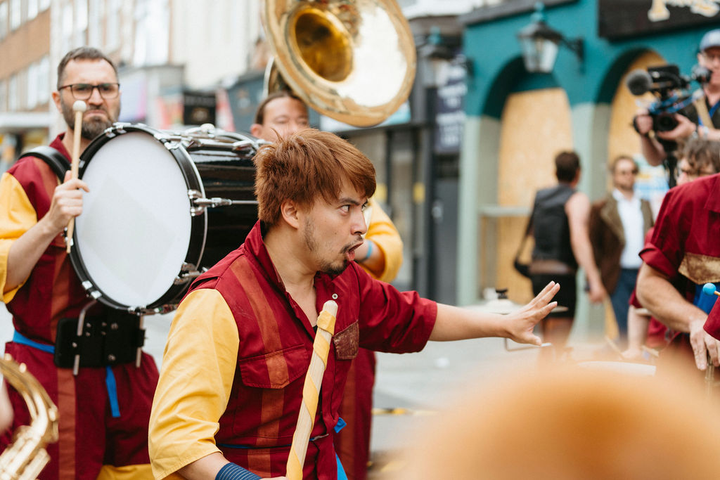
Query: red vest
x=275 y=349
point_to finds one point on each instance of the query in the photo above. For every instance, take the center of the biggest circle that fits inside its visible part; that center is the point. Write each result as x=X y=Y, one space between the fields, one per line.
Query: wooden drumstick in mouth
x=79 y=108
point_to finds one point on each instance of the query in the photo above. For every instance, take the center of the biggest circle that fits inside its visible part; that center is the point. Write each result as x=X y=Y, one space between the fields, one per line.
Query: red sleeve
x=665 y=249
x=393 y=321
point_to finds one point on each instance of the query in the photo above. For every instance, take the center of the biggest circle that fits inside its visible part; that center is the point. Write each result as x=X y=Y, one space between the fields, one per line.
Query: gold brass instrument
x=25 y=458
x=352 y=60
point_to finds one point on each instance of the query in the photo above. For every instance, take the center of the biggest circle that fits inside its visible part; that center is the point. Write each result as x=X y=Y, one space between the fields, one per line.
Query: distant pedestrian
x=560 y=228
x=618 y=224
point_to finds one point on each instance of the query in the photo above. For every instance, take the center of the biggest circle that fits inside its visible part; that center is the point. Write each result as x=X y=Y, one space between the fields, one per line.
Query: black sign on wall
x=450 y=114
x=199 y=107
x=625 y=18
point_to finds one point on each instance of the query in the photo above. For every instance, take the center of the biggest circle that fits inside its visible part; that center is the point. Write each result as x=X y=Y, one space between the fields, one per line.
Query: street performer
x=231 y=386
x=682 y=255
x=105 y=408
x=283 y=113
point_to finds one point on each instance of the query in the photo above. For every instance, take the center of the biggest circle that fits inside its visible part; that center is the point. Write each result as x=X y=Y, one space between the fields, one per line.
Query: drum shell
x=226 y=175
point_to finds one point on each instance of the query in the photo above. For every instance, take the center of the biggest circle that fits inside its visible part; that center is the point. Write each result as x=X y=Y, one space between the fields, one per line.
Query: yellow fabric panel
x=195 y=382
x=127 y=472
x=622 y=137
x=16 y=217
x=385 y=236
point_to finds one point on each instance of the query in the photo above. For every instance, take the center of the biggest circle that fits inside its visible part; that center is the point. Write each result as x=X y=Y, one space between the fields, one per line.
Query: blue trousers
x=620 y=298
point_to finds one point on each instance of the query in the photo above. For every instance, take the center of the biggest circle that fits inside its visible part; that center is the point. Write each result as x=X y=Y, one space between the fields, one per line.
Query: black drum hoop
x=198 y=224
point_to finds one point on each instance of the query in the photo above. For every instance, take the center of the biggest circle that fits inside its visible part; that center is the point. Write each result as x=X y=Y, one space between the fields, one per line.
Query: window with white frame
x=31 y=89
x=3 y=96
x=81 y=22
x=12 y=94
x=112 y=40
x=15 y=14
x=66 y=28
x=3 y=19
x=96 y=11
x=43 y=80
x=152 y=32
x=32 y=9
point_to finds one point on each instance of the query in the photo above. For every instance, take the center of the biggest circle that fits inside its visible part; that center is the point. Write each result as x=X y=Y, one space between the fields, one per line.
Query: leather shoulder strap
x=703 y=113
x=55 y=160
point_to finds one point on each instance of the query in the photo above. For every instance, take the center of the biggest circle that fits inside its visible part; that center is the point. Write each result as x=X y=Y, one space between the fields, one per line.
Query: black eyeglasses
x=83 y=91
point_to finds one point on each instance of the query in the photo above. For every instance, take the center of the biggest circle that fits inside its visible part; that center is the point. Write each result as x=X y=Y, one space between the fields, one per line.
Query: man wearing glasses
x=618 y=224
x=104 y=409
x=693 y=120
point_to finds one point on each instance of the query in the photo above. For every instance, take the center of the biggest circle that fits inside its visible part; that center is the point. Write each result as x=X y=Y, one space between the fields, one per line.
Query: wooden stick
x=79 y=108
x=311 y=390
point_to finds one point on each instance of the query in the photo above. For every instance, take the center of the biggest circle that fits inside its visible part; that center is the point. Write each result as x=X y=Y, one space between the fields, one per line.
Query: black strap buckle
x=99 y=341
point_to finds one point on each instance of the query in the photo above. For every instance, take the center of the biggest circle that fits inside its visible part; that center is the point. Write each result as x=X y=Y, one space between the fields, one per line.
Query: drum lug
x=168 y=143
x=90 y=289
x=195 y=209
x=187 y=272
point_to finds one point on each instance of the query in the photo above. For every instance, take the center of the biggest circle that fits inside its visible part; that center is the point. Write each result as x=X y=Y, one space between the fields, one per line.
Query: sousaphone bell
x=351 y=60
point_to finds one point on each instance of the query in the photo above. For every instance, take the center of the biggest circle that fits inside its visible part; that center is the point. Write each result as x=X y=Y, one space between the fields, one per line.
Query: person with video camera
x=698 y=119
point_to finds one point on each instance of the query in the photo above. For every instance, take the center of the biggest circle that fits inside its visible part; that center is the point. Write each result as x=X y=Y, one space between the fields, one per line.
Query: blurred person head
x=709 y=55
x=700 y=158
x=567 y=167
x=280 y=114
x=87 y=74
x=571 y=424
x=624 y=170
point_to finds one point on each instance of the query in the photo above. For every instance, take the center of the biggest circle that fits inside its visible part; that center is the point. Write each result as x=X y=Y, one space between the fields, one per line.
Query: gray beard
x=90 y=128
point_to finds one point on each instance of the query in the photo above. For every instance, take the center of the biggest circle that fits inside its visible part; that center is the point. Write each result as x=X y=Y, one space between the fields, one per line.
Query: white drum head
x=134 y=232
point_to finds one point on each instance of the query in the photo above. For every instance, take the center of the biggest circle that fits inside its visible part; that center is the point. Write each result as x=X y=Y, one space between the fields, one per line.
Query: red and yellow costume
x=684 y=245
x=238 y=351
x=92 y=441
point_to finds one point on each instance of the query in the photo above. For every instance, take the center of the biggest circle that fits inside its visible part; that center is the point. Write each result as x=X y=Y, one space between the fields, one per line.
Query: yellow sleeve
x=17 y=216
x=382 y=232
x=195 y=382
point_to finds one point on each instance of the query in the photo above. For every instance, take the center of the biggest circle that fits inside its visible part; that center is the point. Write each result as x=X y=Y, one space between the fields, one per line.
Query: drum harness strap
x=110 y=383
x=55 y=160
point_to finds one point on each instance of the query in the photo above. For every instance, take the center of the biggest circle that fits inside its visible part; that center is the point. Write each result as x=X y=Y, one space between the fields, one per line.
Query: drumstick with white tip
x=311 y=390
x=79 y=108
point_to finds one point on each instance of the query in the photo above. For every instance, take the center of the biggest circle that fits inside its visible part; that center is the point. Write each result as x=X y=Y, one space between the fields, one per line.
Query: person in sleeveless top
x=560 y=229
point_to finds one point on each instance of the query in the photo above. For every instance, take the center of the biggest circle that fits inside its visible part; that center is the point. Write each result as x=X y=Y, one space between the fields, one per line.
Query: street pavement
x=415 y=386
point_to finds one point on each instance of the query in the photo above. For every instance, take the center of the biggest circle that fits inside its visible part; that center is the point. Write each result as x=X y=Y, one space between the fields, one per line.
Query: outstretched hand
x=521 y=323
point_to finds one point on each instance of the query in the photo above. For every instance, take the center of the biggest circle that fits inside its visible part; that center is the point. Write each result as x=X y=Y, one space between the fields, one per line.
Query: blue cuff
x=232 y=471
x=369 y=252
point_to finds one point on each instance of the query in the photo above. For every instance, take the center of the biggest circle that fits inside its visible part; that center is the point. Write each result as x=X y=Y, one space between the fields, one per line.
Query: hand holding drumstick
x=79 y=108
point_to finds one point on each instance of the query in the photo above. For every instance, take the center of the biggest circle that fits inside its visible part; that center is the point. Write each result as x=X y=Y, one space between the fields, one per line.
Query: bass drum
x=162 y=208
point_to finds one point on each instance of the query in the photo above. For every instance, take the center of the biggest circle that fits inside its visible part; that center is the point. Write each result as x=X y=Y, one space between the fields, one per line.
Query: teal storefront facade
x=496 y=73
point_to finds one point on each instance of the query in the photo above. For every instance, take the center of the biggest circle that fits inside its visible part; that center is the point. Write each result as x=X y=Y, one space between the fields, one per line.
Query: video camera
x=671 y=89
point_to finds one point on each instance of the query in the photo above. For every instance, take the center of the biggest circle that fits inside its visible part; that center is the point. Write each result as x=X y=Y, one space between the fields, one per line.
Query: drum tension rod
x=200 y=203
